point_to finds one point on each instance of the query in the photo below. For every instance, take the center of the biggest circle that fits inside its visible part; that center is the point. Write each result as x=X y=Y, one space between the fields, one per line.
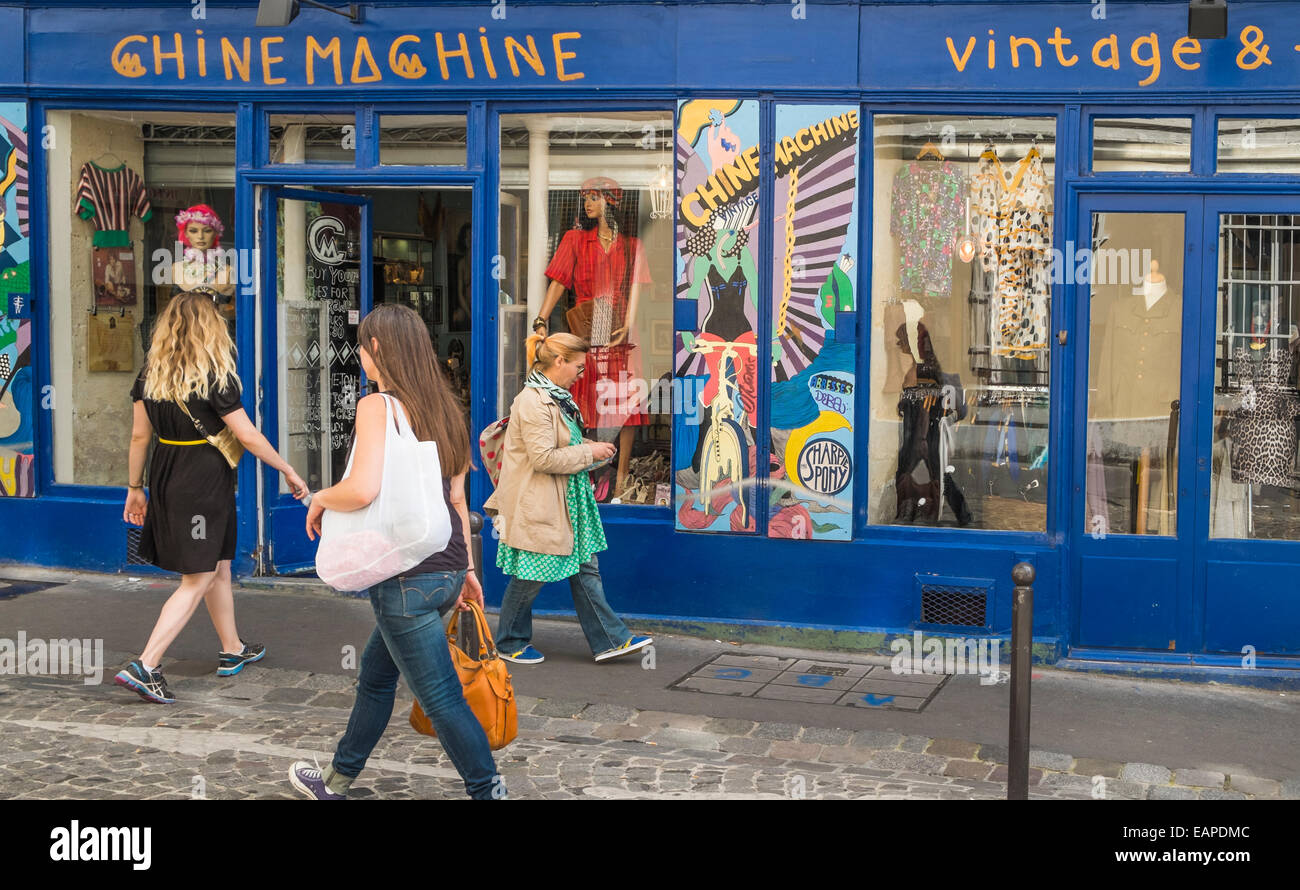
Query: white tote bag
x=406 y=523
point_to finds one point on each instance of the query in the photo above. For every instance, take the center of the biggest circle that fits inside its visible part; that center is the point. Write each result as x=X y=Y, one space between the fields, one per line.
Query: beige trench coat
x=535 y=469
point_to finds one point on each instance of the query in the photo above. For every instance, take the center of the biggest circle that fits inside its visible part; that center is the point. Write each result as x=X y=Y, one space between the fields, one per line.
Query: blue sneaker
x=307 y=778
x=149 y=685
x=230 y=663
x=526 y=655
x=632 y=645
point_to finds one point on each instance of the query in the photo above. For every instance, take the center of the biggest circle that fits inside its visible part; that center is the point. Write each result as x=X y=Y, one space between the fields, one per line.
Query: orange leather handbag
x=486 y=681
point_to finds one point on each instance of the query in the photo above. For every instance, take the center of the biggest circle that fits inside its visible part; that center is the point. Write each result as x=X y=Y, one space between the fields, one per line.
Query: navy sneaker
x=149 y=685
x=526 y=655
x=307 y=778
x=229 y=663
x=632 y=645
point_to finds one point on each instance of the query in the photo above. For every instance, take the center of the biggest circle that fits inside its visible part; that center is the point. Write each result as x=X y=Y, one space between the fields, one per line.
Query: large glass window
x=1255 y=476
x=124 y=188
x=586 y=240
x=962 y=274
x=1259 y=145
x=313 y=138
x=1134 y=368
x=422 y=139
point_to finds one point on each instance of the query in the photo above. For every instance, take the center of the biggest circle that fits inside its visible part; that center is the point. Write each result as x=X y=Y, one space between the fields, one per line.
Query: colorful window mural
x=814 y=322
x=714 y=447
x=17 y=396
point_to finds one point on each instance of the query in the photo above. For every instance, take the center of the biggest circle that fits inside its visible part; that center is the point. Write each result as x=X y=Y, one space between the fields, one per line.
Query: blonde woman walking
x=549 y=524
x=189 y=514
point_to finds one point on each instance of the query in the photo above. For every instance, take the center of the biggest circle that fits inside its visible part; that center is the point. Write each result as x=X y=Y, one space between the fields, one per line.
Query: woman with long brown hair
x=408 y=638
x=189 y=390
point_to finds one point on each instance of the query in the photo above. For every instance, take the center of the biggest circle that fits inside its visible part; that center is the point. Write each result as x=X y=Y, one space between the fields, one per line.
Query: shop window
x=1259 y=145
x=422 y=139
x=1254 y=471
x=586 y=240
x=962 y=274
x=1135 y=309
x=123 y=188
x=1142 y=145
x=18 y=396
x=312 y=138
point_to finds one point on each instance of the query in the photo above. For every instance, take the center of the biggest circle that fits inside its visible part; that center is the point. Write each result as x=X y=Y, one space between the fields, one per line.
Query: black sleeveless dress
x=190 y=524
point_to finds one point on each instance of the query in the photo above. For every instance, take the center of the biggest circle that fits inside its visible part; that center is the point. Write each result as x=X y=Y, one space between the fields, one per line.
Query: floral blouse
x=926 y=213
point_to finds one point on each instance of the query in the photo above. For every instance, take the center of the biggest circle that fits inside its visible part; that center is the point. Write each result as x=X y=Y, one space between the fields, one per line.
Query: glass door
x=315 y=246
x=1138 y=296
x=1248 y=470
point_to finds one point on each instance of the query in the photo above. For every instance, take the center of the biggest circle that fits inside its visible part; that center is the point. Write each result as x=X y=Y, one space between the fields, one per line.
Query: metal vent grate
x=133 y=557
x=953 y=605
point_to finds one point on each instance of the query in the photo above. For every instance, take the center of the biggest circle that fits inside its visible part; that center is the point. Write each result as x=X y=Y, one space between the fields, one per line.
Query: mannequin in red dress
x=597 y=261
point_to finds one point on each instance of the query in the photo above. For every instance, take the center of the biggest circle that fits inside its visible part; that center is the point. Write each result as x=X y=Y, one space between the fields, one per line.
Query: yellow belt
x=190 y=442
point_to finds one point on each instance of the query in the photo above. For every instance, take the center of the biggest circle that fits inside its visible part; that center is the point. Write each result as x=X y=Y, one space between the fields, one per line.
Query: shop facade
x=987 y=283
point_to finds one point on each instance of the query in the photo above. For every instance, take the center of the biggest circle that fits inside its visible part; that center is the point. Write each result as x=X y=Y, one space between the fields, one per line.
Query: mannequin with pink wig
x=202 y=265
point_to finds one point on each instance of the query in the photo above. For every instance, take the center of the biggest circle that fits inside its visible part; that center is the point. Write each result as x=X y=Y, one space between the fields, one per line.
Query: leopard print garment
x=1263 y=429
x=1015 y=231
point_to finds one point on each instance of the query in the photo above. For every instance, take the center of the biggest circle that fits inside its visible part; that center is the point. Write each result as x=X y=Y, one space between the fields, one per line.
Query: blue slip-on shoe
x=149 y=685
x=308 y=779
x=230 y=663
x=627 y=648
x=526 y=655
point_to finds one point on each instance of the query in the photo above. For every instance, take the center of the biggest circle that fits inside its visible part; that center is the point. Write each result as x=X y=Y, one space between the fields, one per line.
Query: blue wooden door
x=316 y=268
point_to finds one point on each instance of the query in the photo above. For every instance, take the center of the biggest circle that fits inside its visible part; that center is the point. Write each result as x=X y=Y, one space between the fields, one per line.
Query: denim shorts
x=413 y=596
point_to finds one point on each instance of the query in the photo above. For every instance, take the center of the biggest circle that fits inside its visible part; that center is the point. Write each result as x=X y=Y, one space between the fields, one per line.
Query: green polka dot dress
x=589 y=535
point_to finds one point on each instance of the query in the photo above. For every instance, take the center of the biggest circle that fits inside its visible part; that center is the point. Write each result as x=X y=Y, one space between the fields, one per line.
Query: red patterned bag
x=490 y=445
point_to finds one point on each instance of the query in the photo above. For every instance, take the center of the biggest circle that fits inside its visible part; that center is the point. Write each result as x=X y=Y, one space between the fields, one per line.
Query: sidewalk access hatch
x=12 y=587
x=813 y=680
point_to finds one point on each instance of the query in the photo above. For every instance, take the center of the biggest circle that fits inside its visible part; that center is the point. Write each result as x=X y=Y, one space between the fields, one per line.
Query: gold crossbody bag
x=225 y=441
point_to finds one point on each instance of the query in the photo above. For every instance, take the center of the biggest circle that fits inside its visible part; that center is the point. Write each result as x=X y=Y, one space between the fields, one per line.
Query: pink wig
x=200 y=213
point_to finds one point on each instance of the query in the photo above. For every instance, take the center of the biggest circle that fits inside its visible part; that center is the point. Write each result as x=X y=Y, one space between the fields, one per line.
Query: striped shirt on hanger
x=110 y=198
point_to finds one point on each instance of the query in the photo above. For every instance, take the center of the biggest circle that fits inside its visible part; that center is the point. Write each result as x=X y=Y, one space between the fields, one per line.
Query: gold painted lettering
x=1184 y=46
x=128 y=64
x=1060 y=43
x=692 y=211
x=560 y=55
x=203 y=58
x=1113 y=61
x=1153 y=62
x=712 y=193
x=487 y=53
x=853 y=120
x=230 y=58
x=736 y=173
x=819 y=133
x=802 y=137
x=751 y=159
x=1017 y=42
x=331 y=51
x=403 y=65
x=178 y=55
x=268 y=60
x=531 y=55
x=960 y=63
x=463 y=52
x=782 y=156
x=363 y=52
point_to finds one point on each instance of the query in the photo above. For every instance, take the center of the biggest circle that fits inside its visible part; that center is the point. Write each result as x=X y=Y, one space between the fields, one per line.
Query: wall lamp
x=1207 y=19
x=279 y=13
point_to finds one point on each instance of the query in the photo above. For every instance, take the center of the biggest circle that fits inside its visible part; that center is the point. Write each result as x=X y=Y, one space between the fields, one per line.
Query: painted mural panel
x=716 y=357
x=814 y=322
x=17 y=395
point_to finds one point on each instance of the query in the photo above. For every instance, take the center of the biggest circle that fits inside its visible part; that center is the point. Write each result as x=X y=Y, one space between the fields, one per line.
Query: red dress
x=606 y=392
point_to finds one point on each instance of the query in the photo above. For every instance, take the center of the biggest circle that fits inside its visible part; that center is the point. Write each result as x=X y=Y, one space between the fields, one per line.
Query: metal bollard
x=1022 y=637
x=476 y=542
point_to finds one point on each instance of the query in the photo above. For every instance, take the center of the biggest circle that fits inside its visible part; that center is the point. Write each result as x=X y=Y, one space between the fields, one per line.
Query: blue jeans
x=409 y=638
x=603 y=629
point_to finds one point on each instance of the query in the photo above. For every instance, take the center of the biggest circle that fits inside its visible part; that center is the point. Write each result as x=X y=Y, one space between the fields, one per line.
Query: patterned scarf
x=560 y=395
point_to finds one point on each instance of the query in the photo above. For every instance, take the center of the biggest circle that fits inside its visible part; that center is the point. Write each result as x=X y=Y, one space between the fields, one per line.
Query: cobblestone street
x=235 y=738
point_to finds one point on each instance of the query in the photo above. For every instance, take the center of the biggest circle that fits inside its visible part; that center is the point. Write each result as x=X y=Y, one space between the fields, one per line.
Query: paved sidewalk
x=592 y=731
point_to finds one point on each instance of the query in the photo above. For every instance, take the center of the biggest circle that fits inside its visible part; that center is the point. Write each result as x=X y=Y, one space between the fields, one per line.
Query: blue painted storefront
x=1187 y=599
